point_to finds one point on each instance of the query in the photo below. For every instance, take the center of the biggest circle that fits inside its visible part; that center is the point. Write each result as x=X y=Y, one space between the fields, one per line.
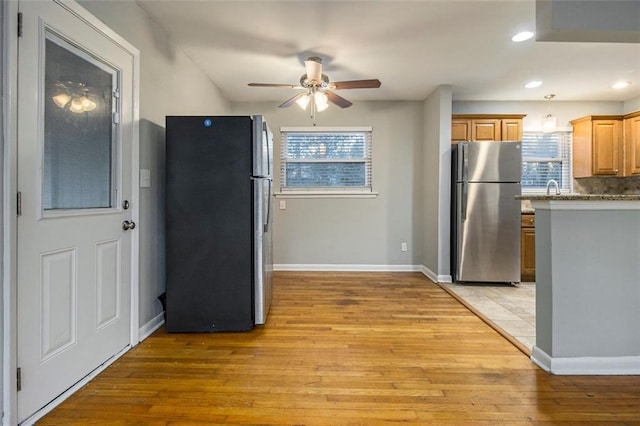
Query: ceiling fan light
x=76 y=105
x=87 y=104
x=322 y=107
x=61 y=100
x=304 y=101
x=320 y=98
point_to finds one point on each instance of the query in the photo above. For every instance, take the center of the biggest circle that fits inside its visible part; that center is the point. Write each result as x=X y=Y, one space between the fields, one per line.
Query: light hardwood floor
x=347 y=348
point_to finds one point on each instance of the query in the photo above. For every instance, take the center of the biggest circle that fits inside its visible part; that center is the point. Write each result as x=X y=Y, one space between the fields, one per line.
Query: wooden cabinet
x=460 y=130
x=598 y=148
x=527 y=248
x=486 y=127
x=512 y=129
x=632 y=144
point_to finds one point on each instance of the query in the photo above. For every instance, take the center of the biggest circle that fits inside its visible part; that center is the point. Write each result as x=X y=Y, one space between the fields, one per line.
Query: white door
x=75 y=154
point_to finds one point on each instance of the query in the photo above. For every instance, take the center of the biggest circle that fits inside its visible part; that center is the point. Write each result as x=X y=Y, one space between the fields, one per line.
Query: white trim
x=315 y=129
x=9 y=224
x=147 y=329
x=586 y=205
x=346 y=268
x=326 y=194
x=435 y=277
x=66 y=394
x=619 y=365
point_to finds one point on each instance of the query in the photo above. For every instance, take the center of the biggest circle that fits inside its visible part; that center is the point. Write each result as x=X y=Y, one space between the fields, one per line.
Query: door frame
x=8 y=191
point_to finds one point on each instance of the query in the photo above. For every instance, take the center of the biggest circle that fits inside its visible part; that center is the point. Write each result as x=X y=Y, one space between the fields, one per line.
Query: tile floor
x=511 y=307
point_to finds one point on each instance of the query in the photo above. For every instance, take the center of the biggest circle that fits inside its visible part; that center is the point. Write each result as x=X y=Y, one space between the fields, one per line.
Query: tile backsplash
x=617 y=186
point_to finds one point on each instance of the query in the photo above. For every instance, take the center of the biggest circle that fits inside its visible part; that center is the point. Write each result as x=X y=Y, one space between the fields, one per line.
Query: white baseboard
x=346 y=268
x=147 y=329
x=594 y=366
x=433 y=276
x=364 y=268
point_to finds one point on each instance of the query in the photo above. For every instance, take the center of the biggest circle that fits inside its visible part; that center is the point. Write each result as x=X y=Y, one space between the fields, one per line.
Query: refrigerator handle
x=465 y=178
x=463 y=207
x=265 y=132
x=266 y=223
x=465 y=162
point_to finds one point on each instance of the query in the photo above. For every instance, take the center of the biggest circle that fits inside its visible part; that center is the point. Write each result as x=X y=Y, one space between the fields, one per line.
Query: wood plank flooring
x=346 y=348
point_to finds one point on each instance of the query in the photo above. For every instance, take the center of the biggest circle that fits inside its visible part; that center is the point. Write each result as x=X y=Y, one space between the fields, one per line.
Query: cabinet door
x=607 y=147
x=486 y=130
x=511 y=130
x=632 y=146
x=528 y=254
x=460 y=130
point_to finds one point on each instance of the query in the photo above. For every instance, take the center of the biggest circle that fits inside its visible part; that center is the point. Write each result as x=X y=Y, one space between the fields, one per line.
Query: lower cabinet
x=528 y=248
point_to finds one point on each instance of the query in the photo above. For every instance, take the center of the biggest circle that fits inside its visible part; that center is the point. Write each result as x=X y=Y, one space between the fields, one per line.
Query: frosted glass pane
x=78 y=133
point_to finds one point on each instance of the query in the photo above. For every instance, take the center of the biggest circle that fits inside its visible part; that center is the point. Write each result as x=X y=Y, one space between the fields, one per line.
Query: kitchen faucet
x=554 y=183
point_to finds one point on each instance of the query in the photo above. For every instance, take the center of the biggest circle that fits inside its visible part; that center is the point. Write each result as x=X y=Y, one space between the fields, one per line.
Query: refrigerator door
x=488 y=232
x=489 y=161
x=263 y=248
x=263 y=218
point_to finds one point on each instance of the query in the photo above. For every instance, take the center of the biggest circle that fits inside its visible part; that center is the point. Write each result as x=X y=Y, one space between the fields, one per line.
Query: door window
x=79 y=136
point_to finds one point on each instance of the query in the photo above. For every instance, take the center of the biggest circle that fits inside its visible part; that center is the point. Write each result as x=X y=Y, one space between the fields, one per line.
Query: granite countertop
x=580 y=197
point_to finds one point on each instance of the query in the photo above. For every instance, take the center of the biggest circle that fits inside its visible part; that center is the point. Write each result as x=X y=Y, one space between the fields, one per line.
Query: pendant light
x=549 y=122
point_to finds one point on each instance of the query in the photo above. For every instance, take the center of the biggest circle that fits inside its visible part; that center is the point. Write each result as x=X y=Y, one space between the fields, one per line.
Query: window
x=546 y=156
x=316 y=160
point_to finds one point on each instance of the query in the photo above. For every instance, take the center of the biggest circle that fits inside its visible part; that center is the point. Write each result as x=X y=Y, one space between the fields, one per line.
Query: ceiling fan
x=317 y=86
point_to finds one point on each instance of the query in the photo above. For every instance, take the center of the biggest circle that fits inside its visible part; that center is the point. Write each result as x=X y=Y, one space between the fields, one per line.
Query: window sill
x=325 y=194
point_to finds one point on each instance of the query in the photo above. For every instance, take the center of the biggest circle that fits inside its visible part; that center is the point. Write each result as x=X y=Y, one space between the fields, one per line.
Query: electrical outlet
x=283 y=205
x=403 y=246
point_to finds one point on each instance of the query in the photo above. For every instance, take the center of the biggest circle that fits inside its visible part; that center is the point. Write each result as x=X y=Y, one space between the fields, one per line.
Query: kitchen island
x=587 y=283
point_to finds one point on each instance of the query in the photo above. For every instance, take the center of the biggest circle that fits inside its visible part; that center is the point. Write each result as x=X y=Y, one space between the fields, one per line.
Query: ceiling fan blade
x=356 y=84
x=313 y=66
x=291 y=100
x=338 y=100
x=290 y=86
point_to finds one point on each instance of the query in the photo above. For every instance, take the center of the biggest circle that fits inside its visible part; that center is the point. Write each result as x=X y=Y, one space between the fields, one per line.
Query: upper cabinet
x=632 y=144
x=606 y=145
x=597 y=146
x=486 y=127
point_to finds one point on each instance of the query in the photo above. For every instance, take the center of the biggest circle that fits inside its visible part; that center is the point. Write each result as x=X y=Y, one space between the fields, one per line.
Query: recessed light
x=533 y=84
x=522 y=36
x=620 y=85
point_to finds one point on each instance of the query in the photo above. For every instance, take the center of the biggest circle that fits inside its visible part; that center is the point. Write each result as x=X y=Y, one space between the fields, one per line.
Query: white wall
x=631 y=105
x=170 y=84
x=436 y=193
x=354 y=231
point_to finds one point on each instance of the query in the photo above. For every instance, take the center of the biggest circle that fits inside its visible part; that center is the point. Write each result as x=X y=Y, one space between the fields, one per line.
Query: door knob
x=126 y=225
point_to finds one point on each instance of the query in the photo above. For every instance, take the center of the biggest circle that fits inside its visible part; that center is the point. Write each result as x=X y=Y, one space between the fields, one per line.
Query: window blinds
x=325 y=159
x=546 y=156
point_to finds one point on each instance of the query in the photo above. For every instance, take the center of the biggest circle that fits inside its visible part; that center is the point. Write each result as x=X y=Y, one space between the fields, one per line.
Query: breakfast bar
x=587 y=283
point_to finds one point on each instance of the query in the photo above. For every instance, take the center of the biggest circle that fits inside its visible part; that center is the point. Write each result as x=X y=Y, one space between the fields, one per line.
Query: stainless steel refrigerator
x=485 y=214
x=218 y=222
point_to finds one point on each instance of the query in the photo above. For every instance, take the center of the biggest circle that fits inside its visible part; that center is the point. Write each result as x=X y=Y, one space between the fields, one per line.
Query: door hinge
x=116 y=118
x=19 y=204
x=19 y=379
x=19 y=24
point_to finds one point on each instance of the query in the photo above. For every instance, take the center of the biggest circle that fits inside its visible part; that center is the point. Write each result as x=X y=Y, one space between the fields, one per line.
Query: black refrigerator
x=218 y=222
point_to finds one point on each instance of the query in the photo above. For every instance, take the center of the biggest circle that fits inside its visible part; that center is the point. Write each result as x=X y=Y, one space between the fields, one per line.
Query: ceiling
x=411 y=46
